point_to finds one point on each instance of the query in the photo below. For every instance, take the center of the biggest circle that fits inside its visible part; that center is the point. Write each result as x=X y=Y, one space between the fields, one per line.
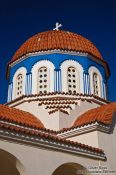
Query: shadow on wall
x=72 y=169
x=113 y=122
x=10 y=165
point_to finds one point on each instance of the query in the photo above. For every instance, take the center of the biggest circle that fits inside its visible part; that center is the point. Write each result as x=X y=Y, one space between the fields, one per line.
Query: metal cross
x=58 y=25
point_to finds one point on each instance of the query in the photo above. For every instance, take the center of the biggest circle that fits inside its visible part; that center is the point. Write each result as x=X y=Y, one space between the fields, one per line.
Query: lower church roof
x=53 y=138
x=9 y=115
x=102 y=114
x=19 y=117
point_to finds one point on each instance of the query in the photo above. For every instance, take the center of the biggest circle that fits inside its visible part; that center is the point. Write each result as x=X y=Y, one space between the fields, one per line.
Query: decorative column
x=86 y=82
x=28 y=87
x=10 y=91
x=57 y=80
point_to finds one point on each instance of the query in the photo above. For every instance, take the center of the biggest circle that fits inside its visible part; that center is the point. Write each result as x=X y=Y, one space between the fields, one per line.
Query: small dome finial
x=58 y=25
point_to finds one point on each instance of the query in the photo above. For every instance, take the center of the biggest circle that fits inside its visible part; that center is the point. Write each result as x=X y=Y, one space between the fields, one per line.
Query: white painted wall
x=38 y=160
x=56 y=120
x=108 y=143
x=90 y=138
x=102 y=140
x=49 y=121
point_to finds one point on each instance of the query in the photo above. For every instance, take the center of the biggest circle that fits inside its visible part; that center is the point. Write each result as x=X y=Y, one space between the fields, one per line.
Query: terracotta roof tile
x=62 y=40
x=58 y=109
x=51 y=137
x=19 y=117
x=102 y=114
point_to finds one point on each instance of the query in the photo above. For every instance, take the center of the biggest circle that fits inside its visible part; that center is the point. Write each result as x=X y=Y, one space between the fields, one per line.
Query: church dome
x=54 y=40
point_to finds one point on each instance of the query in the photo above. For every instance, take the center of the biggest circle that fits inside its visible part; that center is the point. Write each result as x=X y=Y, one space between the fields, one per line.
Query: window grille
x=95 y=84
x=72 y=79
x=43 y=80
x=19 y=85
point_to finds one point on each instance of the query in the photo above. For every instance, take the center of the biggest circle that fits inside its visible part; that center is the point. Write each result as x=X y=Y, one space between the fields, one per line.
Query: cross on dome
x=58 y=25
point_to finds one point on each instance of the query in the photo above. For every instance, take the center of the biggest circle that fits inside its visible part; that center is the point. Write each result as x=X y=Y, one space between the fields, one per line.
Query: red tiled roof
x=19 y=117
x=26 y=119
x=102 y=114
x=51 y=137
x=62 y=40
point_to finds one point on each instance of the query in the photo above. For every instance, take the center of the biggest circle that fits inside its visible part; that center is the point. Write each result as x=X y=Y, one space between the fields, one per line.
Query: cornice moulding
x=84 y=130
x=48 y=144
x=37 y=97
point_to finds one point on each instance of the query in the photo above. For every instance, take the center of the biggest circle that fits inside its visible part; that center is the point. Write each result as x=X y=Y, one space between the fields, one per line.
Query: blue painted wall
x=57 y=59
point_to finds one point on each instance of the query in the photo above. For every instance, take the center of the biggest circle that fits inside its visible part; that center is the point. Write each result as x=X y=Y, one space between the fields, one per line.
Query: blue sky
x=94 y=19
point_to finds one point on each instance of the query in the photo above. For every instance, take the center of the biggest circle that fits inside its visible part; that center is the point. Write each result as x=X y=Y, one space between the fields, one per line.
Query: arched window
x=42 y=80
x=42 y=77
x=19 y=85
x=72 y=75
x=72 y=79
x=95 y=84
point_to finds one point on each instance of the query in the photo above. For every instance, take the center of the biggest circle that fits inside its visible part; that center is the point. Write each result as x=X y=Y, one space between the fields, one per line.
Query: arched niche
x=21 y=71
x=93 y=70
x=10 y=165
x=71 y=169
x=79 y=70
x=50 y=75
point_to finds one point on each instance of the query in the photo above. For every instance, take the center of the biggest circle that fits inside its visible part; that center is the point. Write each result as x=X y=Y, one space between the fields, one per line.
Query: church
x=57 y=119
